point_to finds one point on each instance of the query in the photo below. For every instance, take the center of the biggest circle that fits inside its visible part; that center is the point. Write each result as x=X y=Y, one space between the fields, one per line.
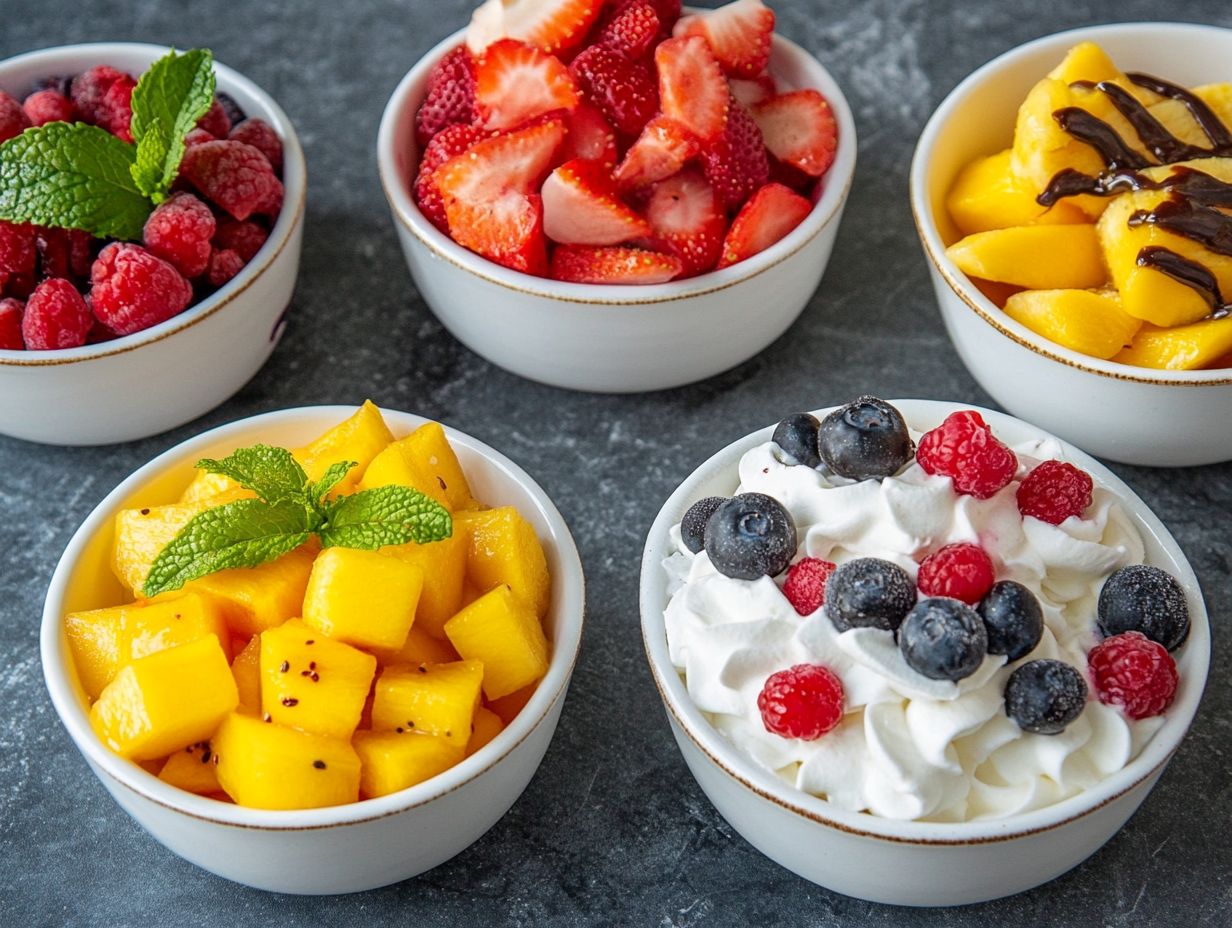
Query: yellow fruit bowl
x=339 y=848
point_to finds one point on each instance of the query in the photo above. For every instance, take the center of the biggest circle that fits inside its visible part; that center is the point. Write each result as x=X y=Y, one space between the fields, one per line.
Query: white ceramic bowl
x=616 y=339
x=154 y=380
x=904 y=862
x=343 y=848
x=1130 y=414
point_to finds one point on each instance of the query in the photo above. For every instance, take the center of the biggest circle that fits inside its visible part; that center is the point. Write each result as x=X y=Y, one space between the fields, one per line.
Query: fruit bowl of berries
x=151 y=216
x=617 y=197
x=920 y=653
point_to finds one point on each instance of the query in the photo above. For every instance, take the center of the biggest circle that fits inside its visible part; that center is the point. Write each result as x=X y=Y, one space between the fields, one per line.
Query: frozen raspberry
x=244 y=238
x=88 y=89
x=196 y=137
x=450 y=96
x=10 y=324
x=215 y=121
x=116 y=110
x=13 y=119
x=960 y=571
x=1132 y=671
x=17 y=253
x=56 y=317
x=1054 y=491
x=179 y=231
x=134 y=290
x=805 y=586
x=804 y=701
x=44 y=106
x=233 y=176
x=964 y=449
x=448 y=143
x=224 y=264
x=261 y=136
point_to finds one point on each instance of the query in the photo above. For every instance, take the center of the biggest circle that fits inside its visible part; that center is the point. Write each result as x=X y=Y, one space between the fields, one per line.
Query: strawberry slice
x=631 y=29
x=692 y=89
x=622 y=89
x=552 y=26
x=590 y=137
x=449 y=98
x=660 y=151
x=687 y=220
x=753 y=90
x=582 y=206
x=583 y=264
x=448 y=143
x=770 y=214
x=739 y=34
x=515 y=82
x=799 y=130
x=736 y=164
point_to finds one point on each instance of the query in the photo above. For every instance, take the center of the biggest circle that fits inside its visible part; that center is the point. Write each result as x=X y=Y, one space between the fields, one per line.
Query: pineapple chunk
x=360 y=439
x=393 y=762
x=266 y=766
x=261 y=597
x=394 y=465
x=312 y=683
x=192 y=769
x=501 y=632
x=988 y=195
x=444 y=570
x=1038 y=257
x=419 y=648
x=439 y=699
x=246 y=668
x=1182 y=347
x=364 y=598
x=166 y=701
x=505 y=550
x=435 y=459
x=1088 y=321
x=486 y=726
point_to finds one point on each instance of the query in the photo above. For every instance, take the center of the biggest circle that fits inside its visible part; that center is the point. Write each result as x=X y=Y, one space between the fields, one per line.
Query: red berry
x=115 y=113
x=179 y=231
x=56 y=317
x=244 y=238
x=13 y=119
x=964 y=449
x=134 y=290
x=10 y=324
x=1054 y=491
x=44 y=106
x=216 y=121
x=450 y=96
x=631 y=30
x=448 y=143
x=959 y=571
x=626 y=91
x=88 y=89
x=804 y=701
x=196 y=137
x=736 y=164
x=1132 y=671
x=260 y=135
x=224 y=264
x=233 y=176
x=17 y=252
x=688 y=220
x=805 y=587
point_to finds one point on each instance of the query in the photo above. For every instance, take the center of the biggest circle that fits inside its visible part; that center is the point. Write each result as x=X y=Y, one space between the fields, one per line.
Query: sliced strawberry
x=631 y=30
x=752 y=90
x=770 y=214
x=799 y=130
x=582 y=206
x=590 y=137
x=622 y=89
x=507 y=230
x=583 y=264
x=687 y=220
x=692 y=89
x=736 y=164
x=660 y=151
x=515 y=82
x=448 y=143
x=450 y=97
x=739 y=34
x=553 y=26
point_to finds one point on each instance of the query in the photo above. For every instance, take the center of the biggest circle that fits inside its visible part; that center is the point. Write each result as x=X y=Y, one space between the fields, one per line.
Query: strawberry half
x=582 y=206
x=450 y=96
x=799 y=130
x=660 y=151
x=583 y=264
x=448 y=143
x=692 y=88
x=553 y=26
x=753 y=90
x=622 y=89
x=770 y=214
x=631 y=30
x=590 y=137
x=739 y=34
x=687 y=220
x=515 y=82
x=736 y=164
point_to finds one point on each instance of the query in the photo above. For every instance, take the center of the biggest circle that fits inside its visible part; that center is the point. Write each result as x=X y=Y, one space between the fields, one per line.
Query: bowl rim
x=294 y=179
x=960 y=285
x=836 y=185
x=54 y=654
x=687 y=718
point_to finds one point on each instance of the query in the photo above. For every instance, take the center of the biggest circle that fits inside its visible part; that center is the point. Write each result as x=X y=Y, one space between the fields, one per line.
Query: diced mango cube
x=94 y=639
x=1085 y=320
x=192 y=769
x=312 y=683
x=439 y=699
x=206 y=487
x=364 y=598
x=486 y=726
x=988 y=195
x=500 y=631
x=246 y=668
x=1182 y=347
x=444 y=565
x=395 y=466
x=1047 y=257
x=360 y=439
x=435 y=459
x=504 y=549
x=261 y=597
x=393 y=762
x=419 y=648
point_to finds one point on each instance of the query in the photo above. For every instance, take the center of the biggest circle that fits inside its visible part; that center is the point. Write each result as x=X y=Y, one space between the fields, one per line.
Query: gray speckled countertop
x=612 y=830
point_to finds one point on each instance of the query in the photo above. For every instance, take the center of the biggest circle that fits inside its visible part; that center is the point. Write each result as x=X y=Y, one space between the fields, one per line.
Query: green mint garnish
x=289 y=510
x=171 y=96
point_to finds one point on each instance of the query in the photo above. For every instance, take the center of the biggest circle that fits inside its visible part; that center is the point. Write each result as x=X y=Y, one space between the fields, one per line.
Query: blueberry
x=1044 y=696
x=797 y=435
x=1012 y=618
x=866 y=438
x=869 y=593
x=749 y=536
x=693 y=525
x=943 y=639
x=1141 y=598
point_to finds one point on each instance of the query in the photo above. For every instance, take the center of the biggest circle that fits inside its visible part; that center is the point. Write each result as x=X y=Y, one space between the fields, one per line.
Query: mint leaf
x=332 y=477
x=244 y=533
x=272 y=473
x=170 y=97
x=73 y=176
x=390 y=515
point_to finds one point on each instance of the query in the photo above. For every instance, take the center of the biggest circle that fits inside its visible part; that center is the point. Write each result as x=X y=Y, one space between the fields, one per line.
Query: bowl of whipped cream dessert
x=920 y=653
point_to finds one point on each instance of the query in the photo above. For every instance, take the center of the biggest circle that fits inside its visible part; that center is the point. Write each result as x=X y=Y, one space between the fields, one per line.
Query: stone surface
x=613 y=829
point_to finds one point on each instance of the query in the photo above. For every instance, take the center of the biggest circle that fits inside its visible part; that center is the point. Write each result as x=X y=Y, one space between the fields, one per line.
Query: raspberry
x=1132 y=671
x=224 y=264
x=964 y=449
x=626 y=91
x=449 y=98
x=44 y=106
x=13 y=119
x=10 y=324
x=244 y=238
x=116 y=109
x=448 y=143
x=805 y=586
x=233 y=176
x=56 y=317
x=960 y=571
x=134 y=290
x=17 y=252
x=179 y=231
x=261 y=136
x=196 y=137
x=88 y=89
x=215 y=121
x=1054 y=491
x=736 y=163
x=804 y=701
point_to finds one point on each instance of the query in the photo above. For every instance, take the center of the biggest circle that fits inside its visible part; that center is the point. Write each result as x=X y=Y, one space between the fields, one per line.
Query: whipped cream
x=908 y=747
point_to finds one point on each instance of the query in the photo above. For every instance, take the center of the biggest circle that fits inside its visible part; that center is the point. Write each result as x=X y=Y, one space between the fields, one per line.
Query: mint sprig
x=170 y=97
x=288 y=511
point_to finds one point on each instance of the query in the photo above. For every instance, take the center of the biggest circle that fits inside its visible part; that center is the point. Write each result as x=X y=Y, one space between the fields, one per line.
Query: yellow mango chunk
x=1088 y=321
x=192 y=769
x=364 y=598
x=246 y=668
x=1182 y=347
x=393 y=762
x=1087 y=61
x=419 y=648
x=500 y=631
x=439 y=699
x=267 y=766
x=988 y=195
x=435 y=459
x=1176 y=118
x=486 y=726
x=207 y=487
x=444 y=565
x=1049 y=257
x=360 y=439
x=312 y=683
x=166 y=701
x=504 y=549
x=261 y=597
x=395 y=466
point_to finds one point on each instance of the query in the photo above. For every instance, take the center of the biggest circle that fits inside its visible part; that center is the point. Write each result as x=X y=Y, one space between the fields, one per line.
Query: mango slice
x=192 y=769
x=261 y=597
x=363 y=598
x=395 y=466
x=434 y=457
x=1091 y=322
x=1176 y=118
x=312 y=683
x=1180 y=348
x=504 y=549
x=988 y=195
x=500 y=631
x=444 y=566
x=439 y=699
x=360 y=439
x=1045 y=257
x=393 y=762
